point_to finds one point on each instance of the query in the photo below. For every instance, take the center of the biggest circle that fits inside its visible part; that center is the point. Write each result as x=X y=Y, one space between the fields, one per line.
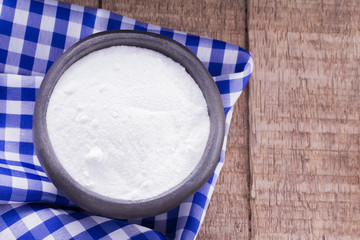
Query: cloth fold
x=33 y=34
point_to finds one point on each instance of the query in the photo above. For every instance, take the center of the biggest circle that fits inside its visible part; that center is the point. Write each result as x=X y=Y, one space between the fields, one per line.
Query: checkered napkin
x=33 y=34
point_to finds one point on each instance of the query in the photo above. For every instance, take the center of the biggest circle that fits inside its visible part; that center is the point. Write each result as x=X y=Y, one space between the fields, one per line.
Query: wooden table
x=292 y=166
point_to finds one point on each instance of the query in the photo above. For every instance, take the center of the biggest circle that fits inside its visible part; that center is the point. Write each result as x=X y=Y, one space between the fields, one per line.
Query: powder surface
x=128 y=122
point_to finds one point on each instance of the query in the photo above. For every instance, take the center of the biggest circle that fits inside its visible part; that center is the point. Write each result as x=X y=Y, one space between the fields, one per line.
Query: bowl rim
x=118 y=208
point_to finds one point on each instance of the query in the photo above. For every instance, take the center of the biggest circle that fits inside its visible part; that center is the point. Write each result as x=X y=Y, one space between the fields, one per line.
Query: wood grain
x=304 y=119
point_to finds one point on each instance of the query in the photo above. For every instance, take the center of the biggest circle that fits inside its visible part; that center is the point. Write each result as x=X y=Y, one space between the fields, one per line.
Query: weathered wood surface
x=300 y=112
x=304 y=119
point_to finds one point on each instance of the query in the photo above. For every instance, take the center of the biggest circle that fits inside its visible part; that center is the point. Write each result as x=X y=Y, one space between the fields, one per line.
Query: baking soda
x=127 y=122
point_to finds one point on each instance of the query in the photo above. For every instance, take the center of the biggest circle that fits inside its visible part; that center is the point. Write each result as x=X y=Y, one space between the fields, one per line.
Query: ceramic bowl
x=116 y=208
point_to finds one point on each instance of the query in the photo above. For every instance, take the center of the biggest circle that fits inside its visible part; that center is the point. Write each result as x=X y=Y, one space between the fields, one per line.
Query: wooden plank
x=304 y=119
x=228 y=213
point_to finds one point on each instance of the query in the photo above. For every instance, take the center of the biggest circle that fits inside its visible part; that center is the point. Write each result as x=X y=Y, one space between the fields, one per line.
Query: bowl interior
x=117 y=208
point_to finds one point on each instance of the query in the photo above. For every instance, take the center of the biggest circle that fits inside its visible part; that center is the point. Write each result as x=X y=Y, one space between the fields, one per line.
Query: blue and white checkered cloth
x=33 y=34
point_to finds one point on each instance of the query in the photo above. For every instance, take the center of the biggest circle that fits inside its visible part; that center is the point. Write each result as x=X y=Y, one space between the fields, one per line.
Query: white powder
x=127 y=122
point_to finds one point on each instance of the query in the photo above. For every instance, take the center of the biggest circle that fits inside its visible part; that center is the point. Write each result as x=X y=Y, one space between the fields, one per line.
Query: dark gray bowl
x=115 y=208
